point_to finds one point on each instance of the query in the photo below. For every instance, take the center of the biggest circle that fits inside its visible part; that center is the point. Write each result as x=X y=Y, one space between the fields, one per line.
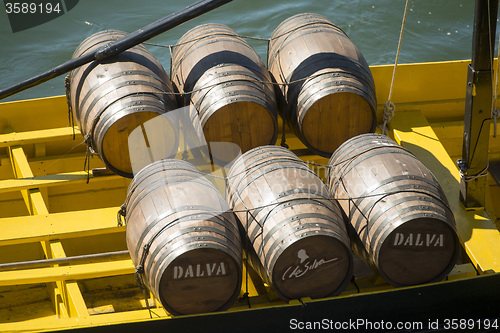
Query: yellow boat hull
x=47 y=210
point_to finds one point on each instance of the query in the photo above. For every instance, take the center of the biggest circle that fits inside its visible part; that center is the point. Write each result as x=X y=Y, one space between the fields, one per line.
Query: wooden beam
x=77 y=177
x=33 y=137
x=70 y=291
x=59 y=226
x=65 y=273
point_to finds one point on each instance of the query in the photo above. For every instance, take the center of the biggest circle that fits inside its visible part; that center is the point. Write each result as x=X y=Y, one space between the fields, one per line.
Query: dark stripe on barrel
x=397 y=209
x=111 y=98
x=296 y=230
x=326 y=83
x=227 y=82
x=181 y=231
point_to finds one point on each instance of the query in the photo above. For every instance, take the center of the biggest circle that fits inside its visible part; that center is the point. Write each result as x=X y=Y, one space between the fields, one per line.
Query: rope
x=122 y=212
x=90 y=152
x=389 y=105
x=283 y=137
x=466 y=178
x=67 y=86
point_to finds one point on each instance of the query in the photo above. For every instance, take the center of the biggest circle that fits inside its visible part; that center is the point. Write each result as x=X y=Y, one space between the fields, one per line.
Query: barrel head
x=115 y=144
x=419 y=251
x=200 y=280
x=315 y=266
x=318 y=126
x=246 y=124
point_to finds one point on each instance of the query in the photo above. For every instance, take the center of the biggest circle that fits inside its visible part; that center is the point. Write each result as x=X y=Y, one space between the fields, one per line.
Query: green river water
x=435 y=31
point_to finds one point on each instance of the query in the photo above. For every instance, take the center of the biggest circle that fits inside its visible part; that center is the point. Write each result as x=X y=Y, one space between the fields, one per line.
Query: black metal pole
x=122 y=44
x=478 y=106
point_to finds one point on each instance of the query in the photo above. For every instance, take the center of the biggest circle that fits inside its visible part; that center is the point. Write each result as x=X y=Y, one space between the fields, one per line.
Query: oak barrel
x=227 y=82
x=181 y=231
x=293 y=225
x=326 y=82
x=396 y=208
x=112 y=97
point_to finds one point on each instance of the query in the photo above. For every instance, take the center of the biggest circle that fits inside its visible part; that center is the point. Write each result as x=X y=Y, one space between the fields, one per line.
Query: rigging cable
x=389 y=105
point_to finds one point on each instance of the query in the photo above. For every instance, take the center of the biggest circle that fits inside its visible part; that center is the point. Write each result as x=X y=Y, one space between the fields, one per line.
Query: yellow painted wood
x=32 y=197
x=53 y=323
x=418 y=82
x=64 y=273
x=20 y=114
x=20 y=163
x=66 y=296
x=40 y=136
x=431 y=88
x=462 y=271
x=59 y=226
x=56 y=289
x=451 y=136
x=36 y=206
x=77 y=177
x=477 y=232
x=70 y=292
x=68 y=162
x=436 y=89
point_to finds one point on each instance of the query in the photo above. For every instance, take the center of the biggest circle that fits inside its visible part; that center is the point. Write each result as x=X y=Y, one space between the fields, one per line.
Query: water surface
x=435 y=31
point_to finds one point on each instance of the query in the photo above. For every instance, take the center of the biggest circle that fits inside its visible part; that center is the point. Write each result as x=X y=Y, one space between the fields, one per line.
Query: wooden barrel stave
x=304 y=52
x=227 y=82
x=177 y=246
x=149 y=224
x=399 y=213
x=290 y=209
x=182 y=231
x=206 y=46
x=110 y=98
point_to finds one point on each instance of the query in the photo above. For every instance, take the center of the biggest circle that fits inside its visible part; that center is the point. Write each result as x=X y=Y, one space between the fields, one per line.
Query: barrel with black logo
x=397 y=209
x=182 y=234
x=227 y=82
x=295 y=228
x=326 y=82
x=112 y=97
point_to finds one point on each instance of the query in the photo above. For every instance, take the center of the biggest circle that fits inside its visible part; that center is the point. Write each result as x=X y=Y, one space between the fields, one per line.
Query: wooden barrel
x=112 y=97
x=231 y=88
x=193 y=261
x=396 y=208
x=294 y=226
x=326 y=83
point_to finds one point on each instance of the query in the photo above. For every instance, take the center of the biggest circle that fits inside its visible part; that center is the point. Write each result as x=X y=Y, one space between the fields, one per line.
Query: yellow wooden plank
x=451 y=136
x=59 y=226
x=20 y=163
x=64 y=273
x=70 y=291
x=477 y=232
x=437 y=81
x=78 y=177
x=35 y=114
x=63 y=300
x=35 y=202
x=33 y=137
x=32 y=197
x=52 y=323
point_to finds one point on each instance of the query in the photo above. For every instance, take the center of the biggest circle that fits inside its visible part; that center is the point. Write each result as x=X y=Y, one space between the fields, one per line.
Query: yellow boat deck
x=49 y=211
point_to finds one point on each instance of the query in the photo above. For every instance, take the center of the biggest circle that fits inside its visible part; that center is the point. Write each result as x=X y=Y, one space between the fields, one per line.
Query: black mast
x=478 y=106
